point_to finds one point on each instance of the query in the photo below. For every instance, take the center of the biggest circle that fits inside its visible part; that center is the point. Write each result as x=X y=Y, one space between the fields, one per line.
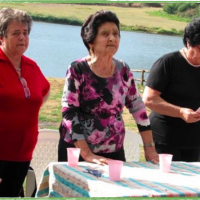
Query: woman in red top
x=23 y=89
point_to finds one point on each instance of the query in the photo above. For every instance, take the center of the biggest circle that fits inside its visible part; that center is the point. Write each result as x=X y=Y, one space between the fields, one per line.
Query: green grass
x=145 y=19
x=155 y=30
x=170 y=17
x=60 y=20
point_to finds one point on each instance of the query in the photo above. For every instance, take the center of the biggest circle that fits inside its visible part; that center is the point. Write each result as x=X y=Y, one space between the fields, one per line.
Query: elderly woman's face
x=193 y=54
x=16 y=40
x=107 y=39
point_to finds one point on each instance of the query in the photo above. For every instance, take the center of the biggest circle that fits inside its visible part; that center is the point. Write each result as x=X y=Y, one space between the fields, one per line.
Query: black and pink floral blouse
x=92 y=106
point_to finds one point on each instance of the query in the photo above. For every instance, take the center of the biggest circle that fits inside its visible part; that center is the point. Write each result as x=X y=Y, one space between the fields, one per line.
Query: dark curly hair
x=90 y=26
x=192 y=33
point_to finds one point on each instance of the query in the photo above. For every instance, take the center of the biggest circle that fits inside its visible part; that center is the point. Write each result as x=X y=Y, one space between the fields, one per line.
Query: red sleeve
x=45 y=85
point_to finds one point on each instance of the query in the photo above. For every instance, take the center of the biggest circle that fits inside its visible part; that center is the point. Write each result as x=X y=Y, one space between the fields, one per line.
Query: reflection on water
x=55 y=46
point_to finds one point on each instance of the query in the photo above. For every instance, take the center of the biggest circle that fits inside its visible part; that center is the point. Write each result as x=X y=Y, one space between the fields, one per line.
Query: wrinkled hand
x=189 y=116
x=87 y=154
x=96 y=159
x=151 y=155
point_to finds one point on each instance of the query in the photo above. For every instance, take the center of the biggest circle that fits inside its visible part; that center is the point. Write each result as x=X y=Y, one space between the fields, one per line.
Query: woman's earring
x=91 y=51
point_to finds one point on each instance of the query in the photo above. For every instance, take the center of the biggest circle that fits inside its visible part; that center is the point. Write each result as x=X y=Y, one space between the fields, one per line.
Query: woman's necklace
x=18 y=69
x=102 y=73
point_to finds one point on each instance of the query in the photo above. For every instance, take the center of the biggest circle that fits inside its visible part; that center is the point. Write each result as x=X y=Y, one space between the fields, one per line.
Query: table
x=139 y=179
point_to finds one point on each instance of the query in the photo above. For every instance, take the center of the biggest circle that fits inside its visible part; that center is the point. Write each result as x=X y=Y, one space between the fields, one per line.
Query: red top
x=18 y=114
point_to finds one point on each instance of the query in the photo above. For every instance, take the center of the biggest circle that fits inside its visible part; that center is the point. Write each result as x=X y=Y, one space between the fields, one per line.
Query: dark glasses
x=25 y=87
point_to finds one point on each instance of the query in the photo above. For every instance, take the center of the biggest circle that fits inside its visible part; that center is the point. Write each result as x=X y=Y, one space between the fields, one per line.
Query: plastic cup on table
x=73 y=156
x=165 y=161
x=115 y=168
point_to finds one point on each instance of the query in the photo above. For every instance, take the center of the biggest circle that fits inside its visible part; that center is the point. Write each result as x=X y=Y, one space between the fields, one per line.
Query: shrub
x=170 y=8
x=189 y=14
x=177 y=8
x=156 y=5
x=186 y=6
x=198 y=11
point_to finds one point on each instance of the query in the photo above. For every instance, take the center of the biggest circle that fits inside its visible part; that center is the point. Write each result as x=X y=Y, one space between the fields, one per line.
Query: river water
x=55 y=46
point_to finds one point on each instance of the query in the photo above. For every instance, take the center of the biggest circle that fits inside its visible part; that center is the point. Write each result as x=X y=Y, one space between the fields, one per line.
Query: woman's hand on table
x=87 y=154
x=151 y=155
x=96 y=159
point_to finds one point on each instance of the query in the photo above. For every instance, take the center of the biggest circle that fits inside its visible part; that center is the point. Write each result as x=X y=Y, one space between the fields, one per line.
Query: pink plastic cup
x=165 y=161
x=115 y=168
x=73 y=156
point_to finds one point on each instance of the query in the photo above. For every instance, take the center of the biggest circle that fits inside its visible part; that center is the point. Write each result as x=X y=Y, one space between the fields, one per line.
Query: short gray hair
x=8 y=15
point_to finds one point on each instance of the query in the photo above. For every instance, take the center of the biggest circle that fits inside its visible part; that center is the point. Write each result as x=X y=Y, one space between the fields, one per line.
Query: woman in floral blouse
x=96 y=90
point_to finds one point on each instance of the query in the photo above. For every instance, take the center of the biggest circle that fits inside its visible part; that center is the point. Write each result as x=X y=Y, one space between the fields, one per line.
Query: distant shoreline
x=137 y=19
x=77 y=22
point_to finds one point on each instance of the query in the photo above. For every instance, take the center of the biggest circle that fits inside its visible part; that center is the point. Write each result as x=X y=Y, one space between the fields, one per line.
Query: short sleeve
x=159 y=75
x=45 y=85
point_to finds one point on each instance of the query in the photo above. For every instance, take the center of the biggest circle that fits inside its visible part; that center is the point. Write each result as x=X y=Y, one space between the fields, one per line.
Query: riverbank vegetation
x=184 y=12
x=165 y=18
x=133 y=17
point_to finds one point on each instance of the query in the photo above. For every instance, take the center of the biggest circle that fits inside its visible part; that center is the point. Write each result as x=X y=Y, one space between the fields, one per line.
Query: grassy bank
x=131 y=18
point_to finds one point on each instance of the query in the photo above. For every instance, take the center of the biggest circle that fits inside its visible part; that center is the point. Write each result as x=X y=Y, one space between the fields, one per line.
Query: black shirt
x=179 y=84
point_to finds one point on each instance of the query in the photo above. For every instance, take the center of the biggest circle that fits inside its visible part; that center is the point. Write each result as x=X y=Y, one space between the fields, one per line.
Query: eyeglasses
x=25 y=87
